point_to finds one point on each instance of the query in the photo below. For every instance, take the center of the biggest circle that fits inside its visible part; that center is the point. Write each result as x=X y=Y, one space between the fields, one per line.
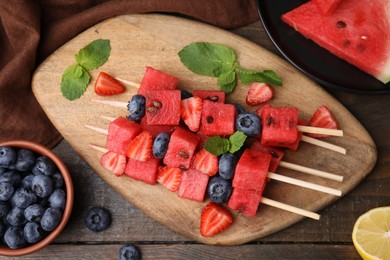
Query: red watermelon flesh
x=294 y=146
x=279 y=126
x=357 y=31
x=276 y=154
x=121 y=132
x=218 y=118
x=157 y=80
x=181 y=148
x=154 y=130
x=212 y=95
x=163 y=107
x=143 y=171
x=327 y=7
x=245 y=201
x=193 y=185
x=251 y=170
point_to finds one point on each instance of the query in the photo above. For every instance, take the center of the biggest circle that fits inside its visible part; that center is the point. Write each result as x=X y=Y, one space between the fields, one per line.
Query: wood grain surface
x=154 y=40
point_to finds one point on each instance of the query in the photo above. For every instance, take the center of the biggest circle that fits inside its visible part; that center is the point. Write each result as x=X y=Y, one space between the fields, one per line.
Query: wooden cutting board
x=154 y=40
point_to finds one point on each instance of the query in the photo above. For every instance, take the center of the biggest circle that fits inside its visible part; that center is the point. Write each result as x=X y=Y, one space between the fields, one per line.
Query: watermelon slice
x=143 y=171
x=327 y=7
x=157 y=80
x=154 y=130
x=193 y=185
x=212 y=95
x=163 y=107
x=276 y=154
x=245 y=201
x=218 y=118
x=357 y=31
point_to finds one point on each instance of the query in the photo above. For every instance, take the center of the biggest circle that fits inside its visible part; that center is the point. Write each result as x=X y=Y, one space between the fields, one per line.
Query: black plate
x=316 y=62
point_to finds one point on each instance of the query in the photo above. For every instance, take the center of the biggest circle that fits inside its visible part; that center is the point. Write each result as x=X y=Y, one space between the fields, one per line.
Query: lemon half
x=371 y=234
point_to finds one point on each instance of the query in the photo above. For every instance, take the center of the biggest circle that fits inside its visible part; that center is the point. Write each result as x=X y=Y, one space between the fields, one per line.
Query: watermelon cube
x=157 y=80
x=294 y=146
x=218 y=118
x=279 y=126
x=193 y=185
x=327 y=7
x=121 y=132
x=181 y=148
x=245 y=201
x=251 y=170
x=163 y=107
x=276 y=154
x=143 y=171
x=154 y=130
x=212 y=95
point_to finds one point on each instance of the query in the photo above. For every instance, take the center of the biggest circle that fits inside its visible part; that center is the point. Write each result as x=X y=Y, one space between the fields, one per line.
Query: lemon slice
x=371 y=234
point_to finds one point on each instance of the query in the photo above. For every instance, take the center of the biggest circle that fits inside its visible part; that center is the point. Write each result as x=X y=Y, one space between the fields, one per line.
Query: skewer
x=130 y=83
x=264 y=200
x=287 y=165
x=323 y=144
x=272 y=175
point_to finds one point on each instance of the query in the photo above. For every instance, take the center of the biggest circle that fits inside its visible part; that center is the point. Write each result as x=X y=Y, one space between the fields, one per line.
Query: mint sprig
x=218 y=145
x=75 y=79
x=217 y=60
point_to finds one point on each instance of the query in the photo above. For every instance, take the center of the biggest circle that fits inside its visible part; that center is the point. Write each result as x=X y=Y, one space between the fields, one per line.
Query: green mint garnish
x=217 y=60
x=218 y=145
x=75 y=79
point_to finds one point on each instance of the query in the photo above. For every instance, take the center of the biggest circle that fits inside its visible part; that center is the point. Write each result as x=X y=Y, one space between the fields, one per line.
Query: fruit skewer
x=264 y=200
x=287 y=165
x=270 y=175
x=306 y=129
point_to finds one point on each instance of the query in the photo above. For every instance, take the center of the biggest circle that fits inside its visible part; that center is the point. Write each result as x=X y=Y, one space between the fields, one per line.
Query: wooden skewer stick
x=130 y=83
x=323 y=144
x=266 y=201
x=319 y=130
x=287 y=165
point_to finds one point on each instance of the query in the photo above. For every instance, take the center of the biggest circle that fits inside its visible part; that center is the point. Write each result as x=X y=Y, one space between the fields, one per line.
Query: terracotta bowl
x=42 y=150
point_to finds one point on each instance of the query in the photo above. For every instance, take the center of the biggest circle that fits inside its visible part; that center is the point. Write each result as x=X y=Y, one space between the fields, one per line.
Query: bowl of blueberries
x=36 y=197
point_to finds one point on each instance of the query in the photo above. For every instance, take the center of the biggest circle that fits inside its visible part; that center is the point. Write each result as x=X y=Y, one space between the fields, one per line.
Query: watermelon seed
x=209 y=119
x=269 y=120
x=341 y=24
x=346 y=43
x=213 y=98
x=152 y=109
x=156 y=104
x=275 y=155
x=183 y=168
x=183 y=154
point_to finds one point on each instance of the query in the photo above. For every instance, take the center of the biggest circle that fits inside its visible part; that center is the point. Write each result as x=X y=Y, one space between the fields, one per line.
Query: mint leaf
x=217 y=145
x=209 y=59
x=266 y=76
x=74 y=82
x=94 y=54
x=227 y=81
x=236 y=140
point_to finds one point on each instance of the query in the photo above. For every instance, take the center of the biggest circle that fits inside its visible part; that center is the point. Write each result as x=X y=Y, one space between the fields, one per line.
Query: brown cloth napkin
x=32 y=30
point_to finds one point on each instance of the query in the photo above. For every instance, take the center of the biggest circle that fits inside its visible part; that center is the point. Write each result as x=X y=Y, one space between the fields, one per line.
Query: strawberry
x=106 y=85
x=191 y=111
x=114 y=162
x=259 y=93
x=323 y=118
x=141 y=147
x=169 y=177
x=214 y=219
x=205 y=162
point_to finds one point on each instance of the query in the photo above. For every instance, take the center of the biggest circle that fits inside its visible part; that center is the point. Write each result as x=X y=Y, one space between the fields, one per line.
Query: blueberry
x=248 y=123
x=14 y=237
x=3 y=170
x=27 y=181
x=25 y=160
x=33 y=232
x=97 y=219
x=58 y=180
x=11 y=176
x=34 y=212
x=58 y=199
x=23 y=198
x=160 y=145
x=6 y=190
x=50 y=219
x=4 y=209
x=44 y=166
x=239 y=108
x=219 y=189
x=16 y=217
x=7 y=156
x=42 y=185
x=136 y=108
x=184 y=94
x=129 y=252
x=227 y=166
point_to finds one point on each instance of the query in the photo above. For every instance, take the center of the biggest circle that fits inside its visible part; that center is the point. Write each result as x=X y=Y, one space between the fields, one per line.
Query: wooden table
x=329 y=238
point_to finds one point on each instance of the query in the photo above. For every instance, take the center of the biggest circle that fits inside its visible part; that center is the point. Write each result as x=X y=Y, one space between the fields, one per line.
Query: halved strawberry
x=259 y=93
x=141 y=147
x=214 y=219
x=323 y=118
x=191 y=111
x=106 y=85
x=205 y=162
x=114 y=162
x=169 y=177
